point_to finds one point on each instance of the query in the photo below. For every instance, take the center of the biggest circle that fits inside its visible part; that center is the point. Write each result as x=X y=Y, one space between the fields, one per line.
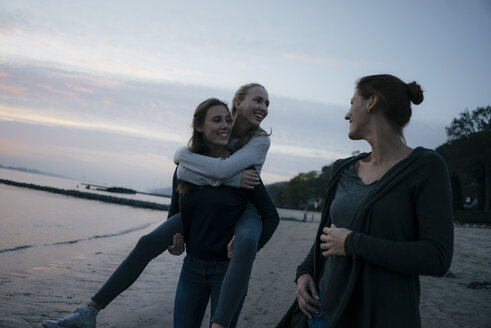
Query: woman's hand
x=308 y=298
x=229 y=248
x=249 y=179
x=178 y=247
x=332 y=240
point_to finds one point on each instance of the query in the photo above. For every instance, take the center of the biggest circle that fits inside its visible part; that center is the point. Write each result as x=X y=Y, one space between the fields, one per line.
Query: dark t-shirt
x=350 y=194
x=209 y=215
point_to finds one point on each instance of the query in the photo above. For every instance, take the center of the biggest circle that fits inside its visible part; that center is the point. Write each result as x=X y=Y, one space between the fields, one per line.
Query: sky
x=104 y=91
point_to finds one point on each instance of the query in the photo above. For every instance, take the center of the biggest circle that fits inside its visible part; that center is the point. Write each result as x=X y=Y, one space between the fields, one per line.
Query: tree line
x=467 y=153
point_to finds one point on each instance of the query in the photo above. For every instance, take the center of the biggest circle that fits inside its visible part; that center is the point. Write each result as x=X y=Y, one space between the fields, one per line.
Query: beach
x=52 y=281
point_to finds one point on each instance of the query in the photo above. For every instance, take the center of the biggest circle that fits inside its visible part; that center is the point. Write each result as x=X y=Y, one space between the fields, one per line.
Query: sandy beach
x=51 y=282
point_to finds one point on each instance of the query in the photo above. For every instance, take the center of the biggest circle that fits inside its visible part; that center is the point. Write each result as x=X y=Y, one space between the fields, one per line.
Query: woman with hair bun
x=387 y=219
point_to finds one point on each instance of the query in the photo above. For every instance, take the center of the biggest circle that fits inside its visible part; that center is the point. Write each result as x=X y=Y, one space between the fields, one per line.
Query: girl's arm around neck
x=188 y=175
x=253 y=153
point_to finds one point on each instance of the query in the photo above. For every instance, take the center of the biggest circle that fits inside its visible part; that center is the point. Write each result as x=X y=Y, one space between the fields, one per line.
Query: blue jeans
x=235 y=283
x=319 y=320
x=198 y=281
x=148 y=247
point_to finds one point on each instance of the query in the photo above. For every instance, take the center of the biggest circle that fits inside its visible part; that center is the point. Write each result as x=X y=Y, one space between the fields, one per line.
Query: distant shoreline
x=91 y=196
x=27 y=170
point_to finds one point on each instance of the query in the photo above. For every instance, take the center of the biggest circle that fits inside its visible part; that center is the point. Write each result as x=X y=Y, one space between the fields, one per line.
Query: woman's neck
x=387 y=146
x=240 y=129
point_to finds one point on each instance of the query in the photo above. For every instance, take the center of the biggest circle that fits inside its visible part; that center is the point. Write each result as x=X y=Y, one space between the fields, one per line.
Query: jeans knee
x=144 y=242
x=245 y=245
x=144 y=248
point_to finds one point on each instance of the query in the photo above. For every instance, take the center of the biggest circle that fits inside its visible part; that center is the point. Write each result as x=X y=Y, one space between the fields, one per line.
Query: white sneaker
x=83 y=317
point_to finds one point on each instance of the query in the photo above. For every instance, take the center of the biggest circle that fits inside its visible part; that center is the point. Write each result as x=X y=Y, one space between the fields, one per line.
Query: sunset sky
x=105 y=90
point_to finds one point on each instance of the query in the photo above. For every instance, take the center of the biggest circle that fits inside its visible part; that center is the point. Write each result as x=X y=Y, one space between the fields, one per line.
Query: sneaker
x=83 y=317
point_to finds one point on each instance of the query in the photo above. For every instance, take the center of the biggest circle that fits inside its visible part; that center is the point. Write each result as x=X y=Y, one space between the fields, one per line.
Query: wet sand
x=41 y=283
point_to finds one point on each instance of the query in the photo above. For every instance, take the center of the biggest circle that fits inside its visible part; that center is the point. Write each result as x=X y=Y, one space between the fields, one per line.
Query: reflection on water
x=35 y=218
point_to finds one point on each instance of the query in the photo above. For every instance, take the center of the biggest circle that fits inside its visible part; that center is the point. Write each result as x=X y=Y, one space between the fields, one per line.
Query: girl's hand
x=332 y=240
x=249 y=179
x=178 y=247
x=308 y=298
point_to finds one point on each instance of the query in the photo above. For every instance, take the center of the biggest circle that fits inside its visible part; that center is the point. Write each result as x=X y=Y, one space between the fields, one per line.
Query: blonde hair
x=239 y=96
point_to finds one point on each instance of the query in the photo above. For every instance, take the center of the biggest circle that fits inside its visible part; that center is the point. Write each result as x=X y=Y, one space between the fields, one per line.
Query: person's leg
x=215 y=274
x=235 y=318
x=148 y=247
x=234 y=287
x=192 y=295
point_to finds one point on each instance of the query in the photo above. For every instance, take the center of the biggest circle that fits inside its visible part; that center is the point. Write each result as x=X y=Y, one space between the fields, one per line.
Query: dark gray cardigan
x=403 y=229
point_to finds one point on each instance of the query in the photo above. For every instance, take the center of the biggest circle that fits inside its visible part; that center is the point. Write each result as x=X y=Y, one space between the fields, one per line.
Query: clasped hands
x=178 y=247
x=248 y=180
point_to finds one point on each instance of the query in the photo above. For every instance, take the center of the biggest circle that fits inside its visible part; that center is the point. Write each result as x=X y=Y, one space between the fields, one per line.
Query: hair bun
x=415 y=93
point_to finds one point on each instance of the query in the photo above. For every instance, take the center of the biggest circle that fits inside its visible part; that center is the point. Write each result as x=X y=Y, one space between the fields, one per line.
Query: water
x=31 y=218
x=56 y=251
x=66 y=183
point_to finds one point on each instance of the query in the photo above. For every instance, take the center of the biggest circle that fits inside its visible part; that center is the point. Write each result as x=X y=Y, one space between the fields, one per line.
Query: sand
x=51 y=282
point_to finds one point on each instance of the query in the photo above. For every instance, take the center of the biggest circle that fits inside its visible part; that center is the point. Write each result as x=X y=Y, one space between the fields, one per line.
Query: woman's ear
x=199 y=129
x=372 y=102
x=237 y=104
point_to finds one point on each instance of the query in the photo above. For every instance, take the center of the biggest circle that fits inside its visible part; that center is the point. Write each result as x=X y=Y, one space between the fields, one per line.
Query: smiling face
x=253 y=108
x=358 y=117
x=216 y=127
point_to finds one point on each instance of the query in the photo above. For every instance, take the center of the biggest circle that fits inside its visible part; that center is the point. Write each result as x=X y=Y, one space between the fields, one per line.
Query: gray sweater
x=204 y=170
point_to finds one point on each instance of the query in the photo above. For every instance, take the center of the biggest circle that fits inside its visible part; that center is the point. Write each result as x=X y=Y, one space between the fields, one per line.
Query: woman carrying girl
x=250 y=106
x=209 y=215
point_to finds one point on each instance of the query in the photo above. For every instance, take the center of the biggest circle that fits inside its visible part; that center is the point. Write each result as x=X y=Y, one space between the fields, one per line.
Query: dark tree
x=468 y=124
x=468 y=151
x=304 y=190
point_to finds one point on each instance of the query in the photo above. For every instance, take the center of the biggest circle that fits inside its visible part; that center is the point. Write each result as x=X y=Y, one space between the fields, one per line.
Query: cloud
x=57 y=91
x=10 y=147
x=32 y=116
x=305 y=151
x=11 y=88
x=79 y=88
x=315 y=59
x=95 y=81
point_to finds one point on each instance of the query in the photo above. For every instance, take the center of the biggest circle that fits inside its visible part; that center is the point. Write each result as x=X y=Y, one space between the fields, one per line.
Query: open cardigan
x=403 y=229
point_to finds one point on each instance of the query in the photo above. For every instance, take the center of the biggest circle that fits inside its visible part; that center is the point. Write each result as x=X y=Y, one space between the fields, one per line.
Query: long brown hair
x=239 y=95
x=197 y=144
